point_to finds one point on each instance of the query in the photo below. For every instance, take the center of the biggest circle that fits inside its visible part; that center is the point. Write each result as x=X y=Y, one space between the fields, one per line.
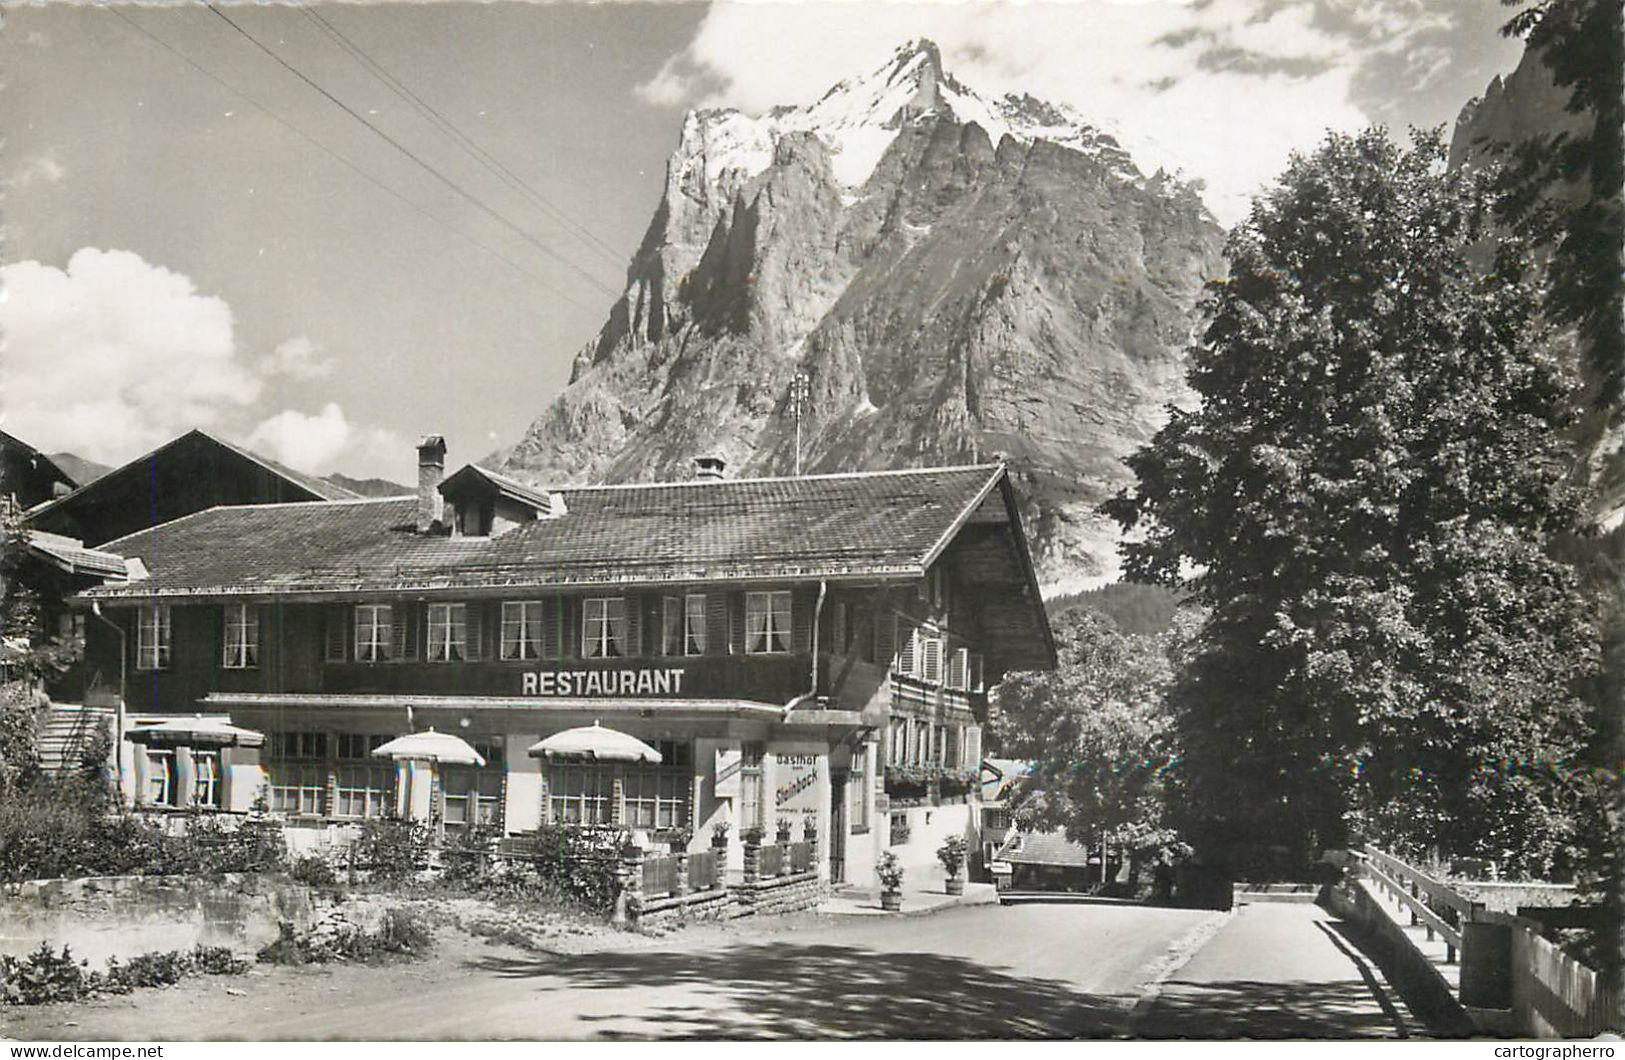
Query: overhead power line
x=468 y=143
x=363 y=174
x=591 y=280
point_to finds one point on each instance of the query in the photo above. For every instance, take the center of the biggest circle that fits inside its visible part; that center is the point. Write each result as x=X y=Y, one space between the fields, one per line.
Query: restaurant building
x=814 y=649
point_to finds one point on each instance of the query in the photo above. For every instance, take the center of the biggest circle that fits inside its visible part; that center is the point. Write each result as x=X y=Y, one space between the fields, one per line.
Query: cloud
x=1223 y=90
x=42 y=167
x=113 y=355
x=327 y=441
x=298 y=358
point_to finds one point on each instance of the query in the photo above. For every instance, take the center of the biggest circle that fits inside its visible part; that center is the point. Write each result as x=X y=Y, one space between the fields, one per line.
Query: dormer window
x=484 y=503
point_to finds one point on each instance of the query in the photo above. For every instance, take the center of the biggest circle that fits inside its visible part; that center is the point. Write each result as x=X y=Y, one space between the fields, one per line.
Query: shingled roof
x=854 y=525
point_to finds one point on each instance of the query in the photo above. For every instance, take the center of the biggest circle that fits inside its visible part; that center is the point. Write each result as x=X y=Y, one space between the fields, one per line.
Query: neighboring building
x=814 y=648
x=1003 y=782
x=28 y=475
x=188 y=474
x=1045 y=861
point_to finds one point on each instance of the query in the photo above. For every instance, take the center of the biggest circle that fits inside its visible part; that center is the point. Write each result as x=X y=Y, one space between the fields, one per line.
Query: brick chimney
x=431 y=469
x=710 y=468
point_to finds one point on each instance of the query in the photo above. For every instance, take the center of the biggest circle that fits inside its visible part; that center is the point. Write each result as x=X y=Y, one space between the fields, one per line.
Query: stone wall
x=716 y=904
x=778 y=895
x=122 y=916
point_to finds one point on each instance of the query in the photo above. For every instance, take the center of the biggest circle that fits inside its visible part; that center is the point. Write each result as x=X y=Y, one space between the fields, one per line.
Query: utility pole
x=800 y=393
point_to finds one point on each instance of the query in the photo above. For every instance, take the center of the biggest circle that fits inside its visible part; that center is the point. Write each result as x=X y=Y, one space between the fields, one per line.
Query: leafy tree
x=1099 y=735
x=1366 y=498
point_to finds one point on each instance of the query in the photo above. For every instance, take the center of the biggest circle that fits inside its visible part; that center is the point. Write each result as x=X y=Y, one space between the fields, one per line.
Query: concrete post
x=185 y=776
x=681 y=886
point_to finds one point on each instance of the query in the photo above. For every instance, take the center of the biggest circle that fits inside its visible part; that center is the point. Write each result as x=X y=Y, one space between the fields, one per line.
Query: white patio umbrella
x=595 y=743
x=196 y=731
x=430 y=746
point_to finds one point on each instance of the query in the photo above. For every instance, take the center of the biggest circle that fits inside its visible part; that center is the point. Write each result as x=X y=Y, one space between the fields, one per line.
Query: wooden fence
x=1554 y=995
x=772 y=860
x=1432 y=904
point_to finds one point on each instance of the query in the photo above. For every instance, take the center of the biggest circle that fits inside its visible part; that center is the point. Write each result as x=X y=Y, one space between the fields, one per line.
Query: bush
x=405 y=931
x=314 y=870
x=952 y=854
x=391 y=848
x=890 y=872
x=45 y=976
x=581 y=861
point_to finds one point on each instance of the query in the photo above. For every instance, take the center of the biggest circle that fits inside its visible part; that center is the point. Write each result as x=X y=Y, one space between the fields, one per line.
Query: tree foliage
x=1366 y=498
x=1099 y=736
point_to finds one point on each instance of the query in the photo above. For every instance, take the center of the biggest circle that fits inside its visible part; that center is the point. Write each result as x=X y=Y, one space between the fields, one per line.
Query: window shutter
x=736 y=623
x=973 y=748
x=931 y=658
x=958 y=666
x=403 y=631
x=338 y=624
x=837 y=629
x=476 y=629
x=553 y=628
x=907 y=643
x=633 y=647
x=802 y=605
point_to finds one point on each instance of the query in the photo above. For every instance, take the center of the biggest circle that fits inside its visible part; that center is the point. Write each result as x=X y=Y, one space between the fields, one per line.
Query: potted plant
x=890 y=872
x=782 y=827
x=952 y=855
x=719 y=834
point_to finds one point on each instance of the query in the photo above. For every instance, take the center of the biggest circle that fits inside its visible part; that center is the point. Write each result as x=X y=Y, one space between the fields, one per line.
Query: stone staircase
x=63 y=733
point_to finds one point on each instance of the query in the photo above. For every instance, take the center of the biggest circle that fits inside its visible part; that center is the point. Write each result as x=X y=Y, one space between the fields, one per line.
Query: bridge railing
x=1432 y=904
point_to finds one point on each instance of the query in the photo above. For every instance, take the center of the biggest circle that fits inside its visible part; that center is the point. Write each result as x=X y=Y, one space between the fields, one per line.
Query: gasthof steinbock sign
x=587 y=683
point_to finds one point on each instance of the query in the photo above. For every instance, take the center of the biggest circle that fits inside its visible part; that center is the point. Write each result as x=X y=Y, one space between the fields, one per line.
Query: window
x=152 y=638
x=897 y=742
x=298 y=745
x=448 y=633
x=242 y=641
x=656 y=798
x=767 y=623
x=694 y=624
x=959 y=669
x=603 y=627
x=522 y=630
x=362 y=791
x=579 y=795
x=973 y=678
x=358 y=747
x=206 y=778
x=160 y=778
x=908 y=637
x=939 y=745
x=857 y=797
x=373 y=630
x=752 y=814
x=473 y=796
x=296 y=790
x=954 y=754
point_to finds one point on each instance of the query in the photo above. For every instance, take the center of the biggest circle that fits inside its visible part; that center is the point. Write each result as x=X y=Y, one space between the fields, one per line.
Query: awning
x=195 y=731
x=594 y=743
x=430 y=746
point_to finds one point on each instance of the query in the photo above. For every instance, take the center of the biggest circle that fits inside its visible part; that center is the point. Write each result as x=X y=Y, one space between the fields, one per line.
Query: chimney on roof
x=710 y=468
x=431 y=469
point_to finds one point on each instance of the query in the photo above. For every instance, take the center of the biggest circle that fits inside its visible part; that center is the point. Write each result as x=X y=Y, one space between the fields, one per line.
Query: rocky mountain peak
x=959 y=275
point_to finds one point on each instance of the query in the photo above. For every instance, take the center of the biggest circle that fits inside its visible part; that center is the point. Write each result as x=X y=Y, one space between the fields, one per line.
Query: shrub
x=314 y=870
x=43 y=976
x=952 y=854
x=890 y=872
x=392 y=848
x=405 y=931
x=581 y=861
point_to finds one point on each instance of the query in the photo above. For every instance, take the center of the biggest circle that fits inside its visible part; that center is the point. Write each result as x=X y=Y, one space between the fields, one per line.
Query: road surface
x=1035 y=971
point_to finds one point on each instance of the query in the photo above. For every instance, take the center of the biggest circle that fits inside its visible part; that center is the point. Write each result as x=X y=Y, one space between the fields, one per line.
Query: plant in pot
x=952 y=855
x=719 y=834
x=782 y=827
x=890 y=872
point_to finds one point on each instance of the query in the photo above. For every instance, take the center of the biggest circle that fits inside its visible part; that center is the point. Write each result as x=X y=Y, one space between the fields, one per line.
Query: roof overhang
x=509 y=704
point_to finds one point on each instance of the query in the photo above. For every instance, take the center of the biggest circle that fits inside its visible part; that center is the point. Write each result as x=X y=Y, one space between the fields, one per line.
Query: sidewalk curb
x=1164 y=968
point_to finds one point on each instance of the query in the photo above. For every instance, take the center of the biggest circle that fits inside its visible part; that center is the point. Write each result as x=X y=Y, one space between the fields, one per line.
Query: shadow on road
x=824 y=991
x=1247 y=1009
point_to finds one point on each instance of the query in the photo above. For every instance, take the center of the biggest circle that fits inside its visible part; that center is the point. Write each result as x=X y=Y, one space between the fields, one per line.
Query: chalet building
x=27 y=475
x=814 y=649
x=185 y=475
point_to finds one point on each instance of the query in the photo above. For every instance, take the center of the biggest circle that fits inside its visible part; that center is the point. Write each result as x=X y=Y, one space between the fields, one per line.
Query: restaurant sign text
x=602 y=682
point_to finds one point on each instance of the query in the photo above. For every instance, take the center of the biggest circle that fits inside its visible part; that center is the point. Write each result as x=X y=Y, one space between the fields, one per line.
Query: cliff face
x=960 y=278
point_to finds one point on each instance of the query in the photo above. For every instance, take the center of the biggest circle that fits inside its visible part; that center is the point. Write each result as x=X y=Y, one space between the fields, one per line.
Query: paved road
x=1039 y=971
x=1277 y=971
x=985 y=972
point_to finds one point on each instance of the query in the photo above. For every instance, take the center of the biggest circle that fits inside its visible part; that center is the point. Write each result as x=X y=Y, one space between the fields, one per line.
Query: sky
x=323 y=231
